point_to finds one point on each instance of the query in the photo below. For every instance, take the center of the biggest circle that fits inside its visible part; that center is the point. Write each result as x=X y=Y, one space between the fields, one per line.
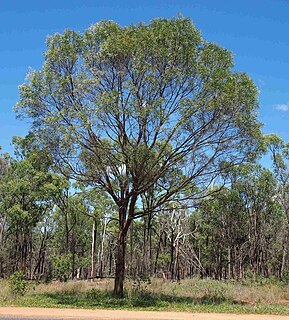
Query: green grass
x=191 y=295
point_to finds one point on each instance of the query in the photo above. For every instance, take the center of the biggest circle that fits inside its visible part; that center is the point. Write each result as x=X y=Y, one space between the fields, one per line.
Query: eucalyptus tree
x=124 y=109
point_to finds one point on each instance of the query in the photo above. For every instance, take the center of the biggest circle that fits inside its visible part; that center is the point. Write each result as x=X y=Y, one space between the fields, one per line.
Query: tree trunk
x=110 y=258
x=172 y=256
x=157 y=253
x=145 y=249
x=284 y=253
x=100 y=273
x=177 y=262
x=229 y=263
x=93 y=234
x=124 y=223
x=120 y=265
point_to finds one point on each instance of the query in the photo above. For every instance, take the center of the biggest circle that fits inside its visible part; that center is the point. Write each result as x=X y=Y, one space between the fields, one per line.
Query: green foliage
x=171 y=106
x=27 y=190
x=62 y=267
x=18 y=284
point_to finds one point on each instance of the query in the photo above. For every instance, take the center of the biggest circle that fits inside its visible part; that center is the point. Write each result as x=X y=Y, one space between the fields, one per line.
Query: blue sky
x=255 y=31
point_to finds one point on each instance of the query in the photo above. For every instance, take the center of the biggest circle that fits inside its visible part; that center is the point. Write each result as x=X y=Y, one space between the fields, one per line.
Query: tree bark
x=120 y=265
x=126 y=215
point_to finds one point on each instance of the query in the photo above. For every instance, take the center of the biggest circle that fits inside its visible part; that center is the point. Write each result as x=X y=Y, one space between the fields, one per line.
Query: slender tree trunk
x=102 y=249
x=145 y=250
x=2 y=228
x=150 y=217
x=172 y=255
x=131 y=270
x=31 y=273
x=66 y=231
x=157 y=253
x=110 y=258
x=229 y=263
x=41 y=255
x=284 y=253
x=92 y=274
x=177 y=262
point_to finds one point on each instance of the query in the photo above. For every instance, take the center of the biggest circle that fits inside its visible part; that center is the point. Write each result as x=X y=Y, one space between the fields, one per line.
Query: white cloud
x=284 y=107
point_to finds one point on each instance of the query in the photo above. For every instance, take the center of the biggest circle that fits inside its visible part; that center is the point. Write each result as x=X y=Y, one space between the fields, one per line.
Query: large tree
x=139 y=108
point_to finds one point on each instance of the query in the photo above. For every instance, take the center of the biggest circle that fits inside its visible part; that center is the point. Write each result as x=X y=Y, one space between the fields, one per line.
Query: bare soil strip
x=31 y=313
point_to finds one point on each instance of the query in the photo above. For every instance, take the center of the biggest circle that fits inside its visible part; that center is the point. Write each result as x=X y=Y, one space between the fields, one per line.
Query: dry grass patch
x=71 y=286
x=4 y=290
x=237 y=292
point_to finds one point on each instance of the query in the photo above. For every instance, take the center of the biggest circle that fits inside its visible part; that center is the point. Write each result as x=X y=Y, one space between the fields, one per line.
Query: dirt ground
x=31 y=313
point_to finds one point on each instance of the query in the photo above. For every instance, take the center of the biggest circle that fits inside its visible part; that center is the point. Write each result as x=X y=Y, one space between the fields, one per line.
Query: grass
x=192 y=295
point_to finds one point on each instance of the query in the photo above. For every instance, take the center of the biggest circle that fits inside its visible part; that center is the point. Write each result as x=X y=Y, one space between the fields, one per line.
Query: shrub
x=141 y=283
x=18 y=284
x=62 y=267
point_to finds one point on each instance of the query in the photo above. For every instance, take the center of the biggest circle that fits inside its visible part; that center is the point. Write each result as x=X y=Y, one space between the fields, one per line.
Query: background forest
x=52 y=229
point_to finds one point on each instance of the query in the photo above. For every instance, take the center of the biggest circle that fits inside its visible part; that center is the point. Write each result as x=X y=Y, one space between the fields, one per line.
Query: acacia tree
x=127 y=109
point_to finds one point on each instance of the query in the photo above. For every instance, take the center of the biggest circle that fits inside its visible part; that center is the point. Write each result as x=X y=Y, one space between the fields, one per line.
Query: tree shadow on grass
x=143 y=299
